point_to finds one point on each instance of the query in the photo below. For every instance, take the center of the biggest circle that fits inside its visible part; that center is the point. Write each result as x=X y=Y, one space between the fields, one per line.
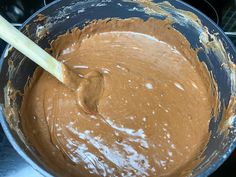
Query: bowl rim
x=209 y=170
x=3 y=122
x=221 y=159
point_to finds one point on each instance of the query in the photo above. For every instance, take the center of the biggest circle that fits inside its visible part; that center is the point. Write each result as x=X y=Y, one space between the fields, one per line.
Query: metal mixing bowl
x=67 y=14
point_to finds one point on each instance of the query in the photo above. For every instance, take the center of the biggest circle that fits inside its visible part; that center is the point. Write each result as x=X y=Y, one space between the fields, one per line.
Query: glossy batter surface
x=153 y=113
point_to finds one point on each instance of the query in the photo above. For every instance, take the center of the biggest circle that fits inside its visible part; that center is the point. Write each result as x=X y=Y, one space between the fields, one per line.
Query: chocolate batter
x=152 y=114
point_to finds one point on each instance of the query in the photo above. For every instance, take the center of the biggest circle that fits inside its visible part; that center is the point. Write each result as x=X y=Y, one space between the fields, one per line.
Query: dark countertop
x=11 y=164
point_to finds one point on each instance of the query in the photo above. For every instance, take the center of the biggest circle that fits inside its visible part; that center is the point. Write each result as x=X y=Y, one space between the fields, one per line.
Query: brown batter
x=152 y=116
